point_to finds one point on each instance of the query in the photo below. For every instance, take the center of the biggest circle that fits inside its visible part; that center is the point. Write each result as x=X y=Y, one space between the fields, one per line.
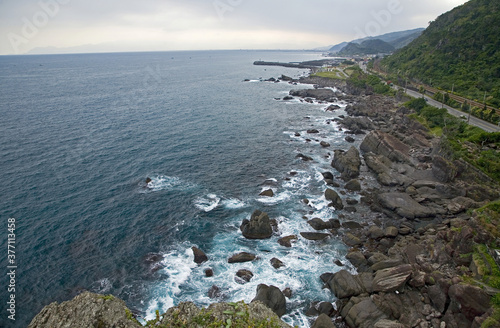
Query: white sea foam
x=207 y=203
x=164 y=182
x=178 y=266
x=102 y=285
x=277 y=198
x=233 y=203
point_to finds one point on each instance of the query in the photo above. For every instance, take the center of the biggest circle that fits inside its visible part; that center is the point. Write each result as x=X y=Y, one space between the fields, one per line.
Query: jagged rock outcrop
x=404 y=205
x=84 y=311
x=320 y=94
x=347 y=163
x=382 y=143
x=272 y=297
x=93 y=310
x=189 y=315
x=258 y=227
x=332 y=196
x=199 y=255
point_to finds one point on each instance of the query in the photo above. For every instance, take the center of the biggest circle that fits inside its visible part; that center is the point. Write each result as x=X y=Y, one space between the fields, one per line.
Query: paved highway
x=486 y=126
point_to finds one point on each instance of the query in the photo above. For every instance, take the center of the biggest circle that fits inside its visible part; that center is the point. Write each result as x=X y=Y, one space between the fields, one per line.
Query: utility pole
x=452 y=88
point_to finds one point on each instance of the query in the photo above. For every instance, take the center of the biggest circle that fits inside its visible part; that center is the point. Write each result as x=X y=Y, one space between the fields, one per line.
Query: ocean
x=81 y=133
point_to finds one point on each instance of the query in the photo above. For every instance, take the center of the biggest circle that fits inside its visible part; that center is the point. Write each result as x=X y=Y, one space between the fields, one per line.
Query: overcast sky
x=157 y=25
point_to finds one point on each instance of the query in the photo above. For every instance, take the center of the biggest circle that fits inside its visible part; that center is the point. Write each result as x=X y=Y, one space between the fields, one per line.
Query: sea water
x=81 y=133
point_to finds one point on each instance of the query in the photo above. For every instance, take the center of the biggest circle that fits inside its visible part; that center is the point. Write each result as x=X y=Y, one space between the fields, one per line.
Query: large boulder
x=242 y=257
x=287 y=241
x=323 y=321
x=362 y=313
x=320 y=94
x=258 y=227
x=382 y=167
x=199 y=255
x=343 y=285
x=353 y=185
x=334 y=198
x=382 y=143
x=85 y=310
x=442 y=169
x=272 y=297
x=391 y=279
x=244 y=276
x=318 y=224
x=469 y=300
x=314 y=235
x=404 y=205
x=347 y=163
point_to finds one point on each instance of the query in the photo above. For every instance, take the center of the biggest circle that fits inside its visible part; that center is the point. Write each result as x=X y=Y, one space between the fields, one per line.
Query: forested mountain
x=368 y=47
x=396 y=39
x=460 y=49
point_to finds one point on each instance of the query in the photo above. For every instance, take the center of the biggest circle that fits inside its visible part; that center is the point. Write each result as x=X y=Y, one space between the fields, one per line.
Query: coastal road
x=486 y=126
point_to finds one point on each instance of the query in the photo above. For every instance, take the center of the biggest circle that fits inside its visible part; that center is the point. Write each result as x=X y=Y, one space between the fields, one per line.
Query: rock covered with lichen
x=94 y=310
x=84 y=311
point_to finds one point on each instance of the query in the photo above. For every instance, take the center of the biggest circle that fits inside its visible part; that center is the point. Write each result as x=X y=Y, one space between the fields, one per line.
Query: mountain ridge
x=460 y=50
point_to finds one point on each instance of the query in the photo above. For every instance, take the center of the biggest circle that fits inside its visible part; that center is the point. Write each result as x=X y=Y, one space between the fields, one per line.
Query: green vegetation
x=367 y=47
x=490 y=276
x=238 y=317
x=479 y=148
x=368 y=82
x=107 y=297
x=460 y=51
x=334 y=74
x=489 y=217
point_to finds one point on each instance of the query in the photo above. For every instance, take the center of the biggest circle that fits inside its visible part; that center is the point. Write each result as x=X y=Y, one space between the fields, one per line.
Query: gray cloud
x=219 y=23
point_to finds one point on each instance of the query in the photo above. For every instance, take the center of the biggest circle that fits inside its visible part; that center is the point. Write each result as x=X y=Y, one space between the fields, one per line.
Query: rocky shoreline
x=414 y=249
x=413 y=245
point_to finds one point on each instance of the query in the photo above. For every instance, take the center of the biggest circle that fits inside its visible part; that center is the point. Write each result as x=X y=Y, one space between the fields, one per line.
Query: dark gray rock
x=332 y=196
x=323 y=321
x=242 y=257
x=362 y=313
x=443 y=170
x=343 y=285
x=350 y=139
x=351 y=240
x=304 y=157
x=209 y=272
x=347 y=163
x=276 y=263
x=324 y=144
x=392 y=279
x=318 y=224
x=375 y=232
x=353 y=185
x=328 y=175
x=199 y=255
x=272 y=297
x=469 y=300
x=404 y=205
x=258 y=227
x=267 y=193
x=244 y=275
x=214 y=292
x=382 y=143
x=314 y=235
x=287 y=292
x=287 y=241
